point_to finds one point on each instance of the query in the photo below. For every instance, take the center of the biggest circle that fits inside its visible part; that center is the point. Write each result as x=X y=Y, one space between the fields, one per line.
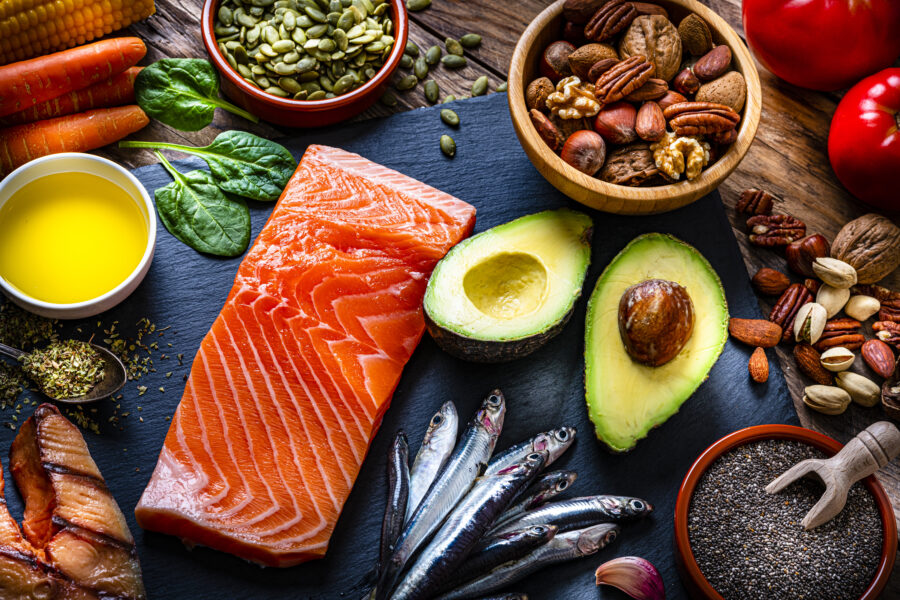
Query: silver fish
x=398 y=491
x=543 y=490
x=555 y=442
x=433 y=454
x=581 y=512
x=564 y=547
x=455 y=480
x=510 y=596
x=465 y=526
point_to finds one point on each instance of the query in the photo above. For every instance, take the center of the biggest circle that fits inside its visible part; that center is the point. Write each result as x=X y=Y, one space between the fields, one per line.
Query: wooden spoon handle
x=874 y=447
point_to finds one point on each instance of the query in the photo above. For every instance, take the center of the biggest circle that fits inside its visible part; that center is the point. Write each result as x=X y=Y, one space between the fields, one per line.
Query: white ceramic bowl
x=83 y=163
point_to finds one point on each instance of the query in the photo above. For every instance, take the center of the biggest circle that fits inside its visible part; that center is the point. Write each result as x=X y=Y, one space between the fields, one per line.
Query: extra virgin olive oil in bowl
x=77 y=234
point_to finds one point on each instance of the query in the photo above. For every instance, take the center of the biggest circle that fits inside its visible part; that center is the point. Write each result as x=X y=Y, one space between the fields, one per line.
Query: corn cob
x=31 y=28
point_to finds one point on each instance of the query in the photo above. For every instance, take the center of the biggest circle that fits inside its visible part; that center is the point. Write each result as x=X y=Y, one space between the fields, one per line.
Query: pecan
x=841 y=332
x=812 y=285
x=888 y=332
x=755 y=202
x=775 y=230
x=786 y=308
x=724 y=138
x=809 y=362
x=700 y=118
x=622 y=79
x=610 y=20
x=546 y=129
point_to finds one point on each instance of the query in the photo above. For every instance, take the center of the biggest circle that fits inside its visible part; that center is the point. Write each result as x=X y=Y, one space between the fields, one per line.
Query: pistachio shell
x=837 y=359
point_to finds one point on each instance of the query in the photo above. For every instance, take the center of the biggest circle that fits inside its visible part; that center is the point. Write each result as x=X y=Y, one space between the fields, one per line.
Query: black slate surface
x=185 y=290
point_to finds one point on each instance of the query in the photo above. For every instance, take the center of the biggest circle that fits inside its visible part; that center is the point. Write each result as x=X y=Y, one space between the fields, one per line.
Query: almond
x=650 y=124
x=713 y=64
x=770 y=282
x=759 y=366
x=809 y=363
x=755 y=332
x=730 y=89
x=879 y=357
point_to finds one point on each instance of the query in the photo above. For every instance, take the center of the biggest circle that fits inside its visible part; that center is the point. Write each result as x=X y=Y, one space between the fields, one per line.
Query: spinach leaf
x=182 y=93
x=197 y=213
x=242 y=163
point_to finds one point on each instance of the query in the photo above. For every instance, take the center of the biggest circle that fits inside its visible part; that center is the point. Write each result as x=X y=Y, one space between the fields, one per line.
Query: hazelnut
x=616 y=121
x=555 y=60
x=671 y=97
x=801 y=254
x=656 y=319
x=537 y=92
x=584 y=150
x=686 y=82
x=586 y=56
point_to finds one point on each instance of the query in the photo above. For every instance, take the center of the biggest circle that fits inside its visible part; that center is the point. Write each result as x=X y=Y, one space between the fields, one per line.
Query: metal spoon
x=114 y=374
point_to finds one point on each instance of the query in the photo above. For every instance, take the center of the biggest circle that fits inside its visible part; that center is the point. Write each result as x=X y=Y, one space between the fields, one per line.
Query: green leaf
x=242 y=163
x=182 y=93
x=197 y=213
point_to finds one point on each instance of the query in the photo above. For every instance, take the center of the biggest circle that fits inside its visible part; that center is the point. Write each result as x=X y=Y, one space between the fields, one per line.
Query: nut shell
x=834 y=272
x=871 y=245
x=862 y=307
x=616 y=122
x=656 y=39
x=837 y=359
x=584 y=150
x=587 y=56
x=832 y=298
x=629 y=165
x=826 y=399
x=730 y=89
x=696 y=38
x=537 y=92
x=862 y=390
x=656 y=319
x=713 y=64
x=555 y=60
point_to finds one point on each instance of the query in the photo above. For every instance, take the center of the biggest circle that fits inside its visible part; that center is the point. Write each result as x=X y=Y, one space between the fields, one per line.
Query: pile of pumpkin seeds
x=305 y=49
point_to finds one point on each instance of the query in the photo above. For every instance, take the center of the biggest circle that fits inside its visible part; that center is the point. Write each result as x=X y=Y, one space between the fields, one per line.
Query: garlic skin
x=634 y=575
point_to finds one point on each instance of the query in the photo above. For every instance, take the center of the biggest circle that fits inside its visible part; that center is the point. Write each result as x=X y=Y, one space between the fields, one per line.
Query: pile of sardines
x=461 y=524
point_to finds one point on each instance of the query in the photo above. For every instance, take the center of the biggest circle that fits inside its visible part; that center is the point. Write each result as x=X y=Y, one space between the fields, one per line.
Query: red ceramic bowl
x=692 y=577
x=304 y=113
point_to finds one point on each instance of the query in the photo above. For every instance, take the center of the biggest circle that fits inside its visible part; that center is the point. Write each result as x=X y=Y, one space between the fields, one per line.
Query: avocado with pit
x=656 y=323
x=505 y=292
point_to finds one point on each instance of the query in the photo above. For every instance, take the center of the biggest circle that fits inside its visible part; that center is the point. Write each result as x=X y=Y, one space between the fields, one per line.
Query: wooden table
x=788 y=157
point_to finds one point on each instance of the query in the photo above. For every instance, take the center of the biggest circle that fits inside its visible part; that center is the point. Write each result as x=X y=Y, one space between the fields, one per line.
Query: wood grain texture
x=788 y=156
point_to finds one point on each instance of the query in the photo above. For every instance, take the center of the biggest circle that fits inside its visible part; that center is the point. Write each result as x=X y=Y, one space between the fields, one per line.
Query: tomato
x=823 y=44
x=864 y=140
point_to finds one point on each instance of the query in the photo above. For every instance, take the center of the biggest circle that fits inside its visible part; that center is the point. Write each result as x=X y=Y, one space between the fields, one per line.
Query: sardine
x=492 y=552
x=564 y=547
x=543 y=490
x=433 y=454
x=465 y=526
x=456 y=478
x=555 y=442
x=398 y=495
x=510 y=596
x=578 y=513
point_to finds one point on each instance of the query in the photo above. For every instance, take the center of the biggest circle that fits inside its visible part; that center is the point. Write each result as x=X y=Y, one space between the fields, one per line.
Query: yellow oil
x=70 y=237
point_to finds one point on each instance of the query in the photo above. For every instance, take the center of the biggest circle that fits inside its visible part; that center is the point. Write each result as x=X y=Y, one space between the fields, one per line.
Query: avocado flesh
x=502 y=293
x=625 y=398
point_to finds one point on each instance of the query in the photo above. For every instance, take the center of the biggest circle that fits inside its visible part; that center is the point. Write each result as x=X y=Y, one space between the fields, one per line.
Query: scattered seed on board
x=432 y=92
x=388 y=99
x=448 y=146
x=406 y=61
x=433 y=55
x=420 y=68
x=448 y=98
x=411 y=49
x=417 y=5
x=479 y=86
x=407 y=83
x=453 y=46
x=503 y=86
x=470 y=40
x=454 y=61
x=449 y=117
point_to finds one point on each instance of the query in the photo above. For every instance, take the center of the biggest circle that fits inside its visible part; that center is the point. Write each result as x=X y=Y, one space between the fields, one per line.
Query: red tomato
x=823 y=44
x=864 y=140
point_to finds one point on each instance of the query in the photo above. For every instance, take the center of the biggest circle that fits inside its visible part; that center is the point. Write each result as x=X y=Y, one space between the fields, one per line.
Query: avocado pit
x=656 y=319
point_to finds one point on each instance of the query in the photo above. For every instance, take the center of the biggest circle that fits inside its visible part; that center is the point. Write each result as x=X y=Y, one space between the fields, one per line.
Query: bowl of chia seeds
x=734 y=541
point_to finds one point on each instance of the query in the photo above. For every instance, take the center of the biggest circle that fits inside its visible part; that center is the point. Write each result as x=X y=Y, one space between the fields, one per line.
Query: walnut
x=573 y=99
x=629 y=165
x=871 y=245
x=676 y=155
x=656 y=39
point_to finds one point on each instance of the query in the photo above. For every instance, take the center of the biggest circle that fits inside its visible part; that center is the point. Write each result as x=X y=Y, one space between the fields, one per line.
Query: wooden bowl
x=692 y=577
x=593 y=192
x=304 y=113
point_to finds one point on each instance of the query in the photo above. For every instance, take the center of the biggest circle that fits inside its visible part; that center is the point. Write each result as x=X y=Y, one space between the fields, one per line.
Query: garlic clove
x=634 y=575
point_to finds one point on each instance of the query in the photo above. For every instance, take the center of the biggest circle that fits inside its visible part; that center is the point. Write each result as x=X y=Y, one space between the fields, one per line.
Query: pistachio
x=810 y=323
x=837 y=359
x=479 y=86
x=826 y=399
x=449 y=117
x=834 y=272
x=862 y=308
x=448 y=146
x=862 y=390
x=832 y=298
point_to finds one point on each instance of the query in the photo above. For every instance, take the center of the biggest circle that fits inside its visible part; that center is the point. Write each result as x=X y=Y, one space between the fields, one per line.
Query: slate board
x=185 y=290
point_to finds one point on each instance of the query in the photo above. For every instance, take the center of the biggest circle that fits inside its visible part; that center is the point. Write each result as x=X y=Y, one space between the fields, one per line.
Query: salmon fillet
x=76 y=544
x=290 y=384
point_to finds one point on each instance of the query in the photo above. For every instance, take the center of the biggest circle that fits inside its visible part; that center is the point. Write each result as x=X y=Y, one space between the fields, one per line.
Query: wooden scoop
x=874 y=447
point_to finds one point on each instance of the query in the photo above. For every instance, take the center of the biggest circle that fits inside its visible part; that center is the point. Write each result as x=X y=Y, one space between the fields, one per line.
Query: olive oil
x=70 y=237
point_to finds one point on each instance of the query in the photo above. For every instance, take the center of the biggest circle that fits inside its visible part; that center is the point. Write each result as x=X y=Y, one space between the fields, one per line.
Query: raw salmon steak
x=290 y=384
x=76 y=544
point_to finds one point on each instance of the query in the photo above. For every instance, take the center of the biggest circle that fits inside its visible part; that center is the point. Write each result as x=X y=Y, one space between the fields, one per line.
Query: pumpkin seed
x=284 y=68
x=310 y=87
x=270 y=34
x=470 y=40
x=449 y=117
x=432 y=92
x=257 y=11
x=454 y=61
x=407 y=83
x=283 y=46
x=433 y=56
x=226 y=16
x=503 y=86
x=267 y=50
x=335 y=6
x=417 y=5
x=290 y=20
x=479 y=86
x=344 y=84
x=315 y=14
x=453 y=46
x=448 y=146
x=291 y=57
x=288 y=84
x=240 y=54
x=346 y=21
x=411 y=49
x=301 y=95
x=231 y=61
x=245 y=71
x=308 y=76
x=250 y=81
x=316 y=31
x=406 y=61
x=388 y=99
x=220 y=30
x=258 y=70
x=448 y=98
x=420 y=68
x=244 y=20
x=320 y=95
x=262 y=82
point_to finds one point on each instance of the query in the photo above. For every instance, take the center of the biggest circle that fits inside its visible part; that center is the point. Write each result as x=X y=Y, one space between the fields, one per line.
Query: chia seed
x=750 y=544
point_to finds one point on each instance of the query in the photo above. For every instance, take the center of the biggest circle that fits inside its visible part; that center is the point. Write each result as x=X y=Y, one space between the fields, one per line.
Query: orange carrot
x=72 y=133
x=115 y=91
x=29 y=82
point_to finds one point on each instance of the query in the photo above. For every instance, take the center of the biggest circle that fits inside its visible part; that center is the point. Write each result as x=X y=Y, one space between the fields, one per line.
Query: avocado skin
x=491 y=351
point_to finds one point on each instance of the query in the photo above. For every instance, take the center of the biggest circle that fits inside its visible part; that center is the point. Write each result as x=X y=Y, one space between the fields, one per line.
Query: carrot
x=29 y=82
x=116 y=91
x=72 y=133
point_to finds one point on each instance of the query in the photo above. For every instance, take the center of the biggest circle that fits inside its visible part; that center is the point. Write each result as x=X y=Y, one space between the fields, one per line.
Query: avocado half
x=626 y=399
x=505 y=292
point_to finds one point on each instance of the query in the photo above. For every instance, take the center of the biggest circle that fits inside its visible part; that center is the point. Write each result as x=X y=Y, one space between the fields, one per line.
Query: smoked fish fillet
x=290 y=384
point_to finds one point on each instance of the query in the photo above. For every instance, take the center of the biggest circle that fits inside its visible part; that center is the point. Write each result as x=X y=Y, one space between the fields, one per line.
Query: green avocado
x=505 y=292
x=625 y=398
